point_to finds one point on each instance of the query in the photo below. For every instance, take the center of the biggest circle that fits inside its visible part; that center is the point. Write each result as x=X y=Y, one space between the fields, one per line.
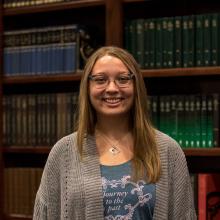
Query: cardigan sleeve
x=47 y=197
x=40 y=207
x=181 y=202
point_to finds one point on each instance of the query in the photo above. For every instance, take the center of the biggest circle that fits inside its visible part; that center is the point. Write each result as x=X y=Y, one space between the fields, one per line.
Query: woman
x=116 y=166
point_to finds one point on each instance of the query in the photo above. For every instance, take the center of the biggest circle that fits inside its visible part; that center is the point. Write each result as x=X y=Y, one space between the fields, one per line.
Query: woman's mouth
x=112 y=100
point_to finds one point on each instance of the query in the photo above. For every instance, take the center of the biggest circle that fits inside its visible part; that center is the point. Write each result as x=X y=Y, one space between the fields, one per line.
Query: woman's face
x=111 y=87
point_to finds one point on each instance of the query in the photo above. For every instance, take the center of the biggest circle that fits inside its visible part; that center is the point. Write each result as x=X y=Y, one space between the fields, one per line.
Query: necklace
x=114 y=150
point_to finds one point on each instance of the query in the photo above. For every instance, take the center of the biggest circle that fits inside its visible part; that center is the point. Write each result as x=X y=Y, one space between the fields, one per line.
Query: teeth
x=112 y=100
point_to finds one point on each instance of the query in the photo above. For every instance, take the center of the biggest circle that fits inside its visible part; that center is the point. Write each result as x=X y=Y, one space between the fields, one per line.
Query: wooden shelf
x=177 y=72
x=202 y=152
x=41 y=78
x=52 y=7
x=27 y=150
x=17 y=217
x=151 y=73
x=190 y=152
x=203 y=160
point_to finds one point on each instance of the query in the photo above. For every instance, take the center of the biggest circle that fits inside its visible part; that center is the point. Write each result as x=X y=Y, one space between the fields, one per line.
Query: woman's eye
x=100 y=80
x=123 y=79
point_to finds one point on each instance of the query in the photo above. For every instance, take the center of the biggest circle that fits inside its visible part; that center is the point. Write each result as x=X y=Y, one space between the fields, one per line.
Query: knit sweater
x=71 y=188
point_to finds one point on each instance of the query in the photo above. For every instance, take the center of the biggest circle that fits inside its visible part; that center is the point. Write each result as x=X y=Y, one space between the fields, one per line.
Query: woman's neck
x=113 y=127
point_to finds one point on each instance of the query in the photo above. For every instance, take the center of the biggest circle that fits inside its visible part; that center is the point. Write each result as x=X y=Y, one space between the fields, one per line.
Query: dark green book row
x=168 y=42
x=192 y=120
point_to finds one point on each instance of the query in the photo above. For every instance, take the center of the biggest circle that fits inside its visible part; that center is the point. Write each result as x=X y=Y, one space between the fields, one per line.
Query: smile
x=112 y=100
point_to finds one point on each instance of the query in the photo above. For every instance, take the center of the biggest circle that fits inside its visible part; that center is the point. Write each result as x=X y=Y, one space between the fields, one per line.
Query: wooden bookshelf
x=203 y=160
x=151 y=73
x=1 y=116
x=113 y=15
x=52 y=7
x=17 y=217
x=26 y=150
x=11 y=80
x=177 y=72
x=190 y=152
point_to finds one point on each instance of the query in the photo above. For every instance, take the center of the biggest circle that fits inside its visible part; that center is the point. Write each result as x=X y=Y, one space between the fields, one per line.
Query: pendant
x=113 y=150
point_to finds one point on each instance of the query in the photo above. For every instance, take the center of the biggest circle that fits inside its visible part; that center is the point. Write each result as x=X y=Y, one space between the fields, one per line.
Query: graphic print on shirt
x=124 y=196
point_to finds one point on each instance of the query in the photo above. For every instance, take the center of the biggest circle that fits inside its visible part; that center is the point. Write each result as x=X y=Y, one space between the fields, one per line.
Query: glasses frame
x=130 y=75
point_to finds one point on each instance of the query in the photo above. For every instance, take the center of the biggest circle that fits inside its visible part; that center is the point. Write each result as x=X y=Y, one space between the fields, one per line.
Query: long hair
x=146 y=161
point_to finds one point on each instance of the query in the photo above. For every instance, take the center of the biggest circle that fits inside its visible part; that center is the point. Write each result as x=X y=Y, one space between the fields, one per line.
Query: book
x=208 y=196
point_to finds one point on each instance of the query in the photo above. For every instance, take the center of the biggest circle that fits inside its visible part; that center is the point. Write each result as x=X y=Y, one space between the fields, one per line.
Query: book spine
x=207 y=40
x=178 y=41
x=158 y=43
x=214 y=39
x=140 y=42
x=199 y=40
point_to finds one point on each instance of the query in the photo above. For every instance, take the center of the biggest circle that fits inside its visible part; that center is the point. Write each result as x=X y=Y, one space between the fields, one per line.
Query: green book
x=191 y=121
x=207 y=39
x=167 y=122
x=155 y=111
x=152 y=29
x=191 y=40
x=215 y=39
x=188 y=41
x=146 y=44
x=132 y=32
x=187 y=130
x=199 y=40
x=162 y=125
x=185 y=40
x=197 y=121
x=178 y=41
x=165 y=41
x=158 y=43
x=170 y=44
x=140 y=42
x=216 y=120
x=180 y=120
x=203 y=128
x=173 y=116
x=210 y=123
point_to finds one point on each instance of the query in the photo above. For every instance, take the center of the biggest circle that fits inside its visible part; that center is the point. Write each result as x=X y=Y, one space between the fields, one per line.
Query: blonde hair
x=146 y=161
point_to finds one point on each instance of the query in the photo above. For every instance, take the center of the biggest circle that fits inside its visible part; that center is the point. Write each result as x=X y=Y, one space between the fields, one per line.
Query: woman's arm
x=181 y=201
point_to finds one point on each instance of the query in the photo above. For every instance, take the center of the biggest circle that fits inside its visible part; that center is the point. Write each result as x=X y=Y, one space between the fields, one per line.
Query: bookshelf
x=109 y=15
x=1 y=76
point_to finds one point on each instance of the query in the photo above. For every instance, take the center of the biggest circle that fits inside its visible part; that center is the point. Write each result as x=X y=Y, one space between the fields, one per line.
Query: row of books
x=181 y=41
x=192 y=120
x=20 y=187
x=41 y=119
x=26 y=3
x=47 y=50
x=38 y=120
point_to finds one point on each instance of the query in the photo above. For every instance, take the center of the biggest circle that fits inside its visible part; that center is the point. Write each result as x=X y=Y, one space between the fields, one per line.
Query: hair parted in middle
x=146 y=156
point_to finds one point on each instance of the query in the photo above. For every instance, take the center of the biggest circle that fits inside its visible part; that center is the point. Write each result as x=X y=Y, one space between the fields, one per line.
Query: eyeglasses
x=102 y=81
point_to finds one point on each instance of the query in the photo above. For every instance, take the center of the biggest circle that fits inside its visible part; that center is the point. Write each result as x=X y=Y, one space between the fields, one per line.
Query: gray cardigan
x=71 y=189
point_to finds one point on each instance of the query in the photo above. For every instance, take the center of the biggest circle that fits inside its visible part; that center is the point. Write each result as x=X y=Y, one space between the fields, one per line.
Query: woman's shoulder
x=167 y=145
x=63 y=145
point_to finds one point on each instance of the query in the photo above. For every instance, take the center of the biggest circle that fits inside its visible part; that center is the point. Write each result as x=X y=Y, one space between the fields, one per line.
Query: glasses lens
x=101 y=81
x=123 y=80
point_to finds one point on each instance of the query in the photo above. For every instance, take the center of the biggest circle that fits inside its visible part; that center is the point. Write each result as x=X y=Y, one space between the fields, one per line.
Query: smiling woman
x=117 y=165
x=111 y=91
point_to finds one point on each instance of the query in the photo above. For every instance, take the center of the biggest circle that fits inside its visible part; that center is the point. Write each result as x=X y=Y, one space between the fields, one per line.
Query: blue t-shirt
x=124 y=199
